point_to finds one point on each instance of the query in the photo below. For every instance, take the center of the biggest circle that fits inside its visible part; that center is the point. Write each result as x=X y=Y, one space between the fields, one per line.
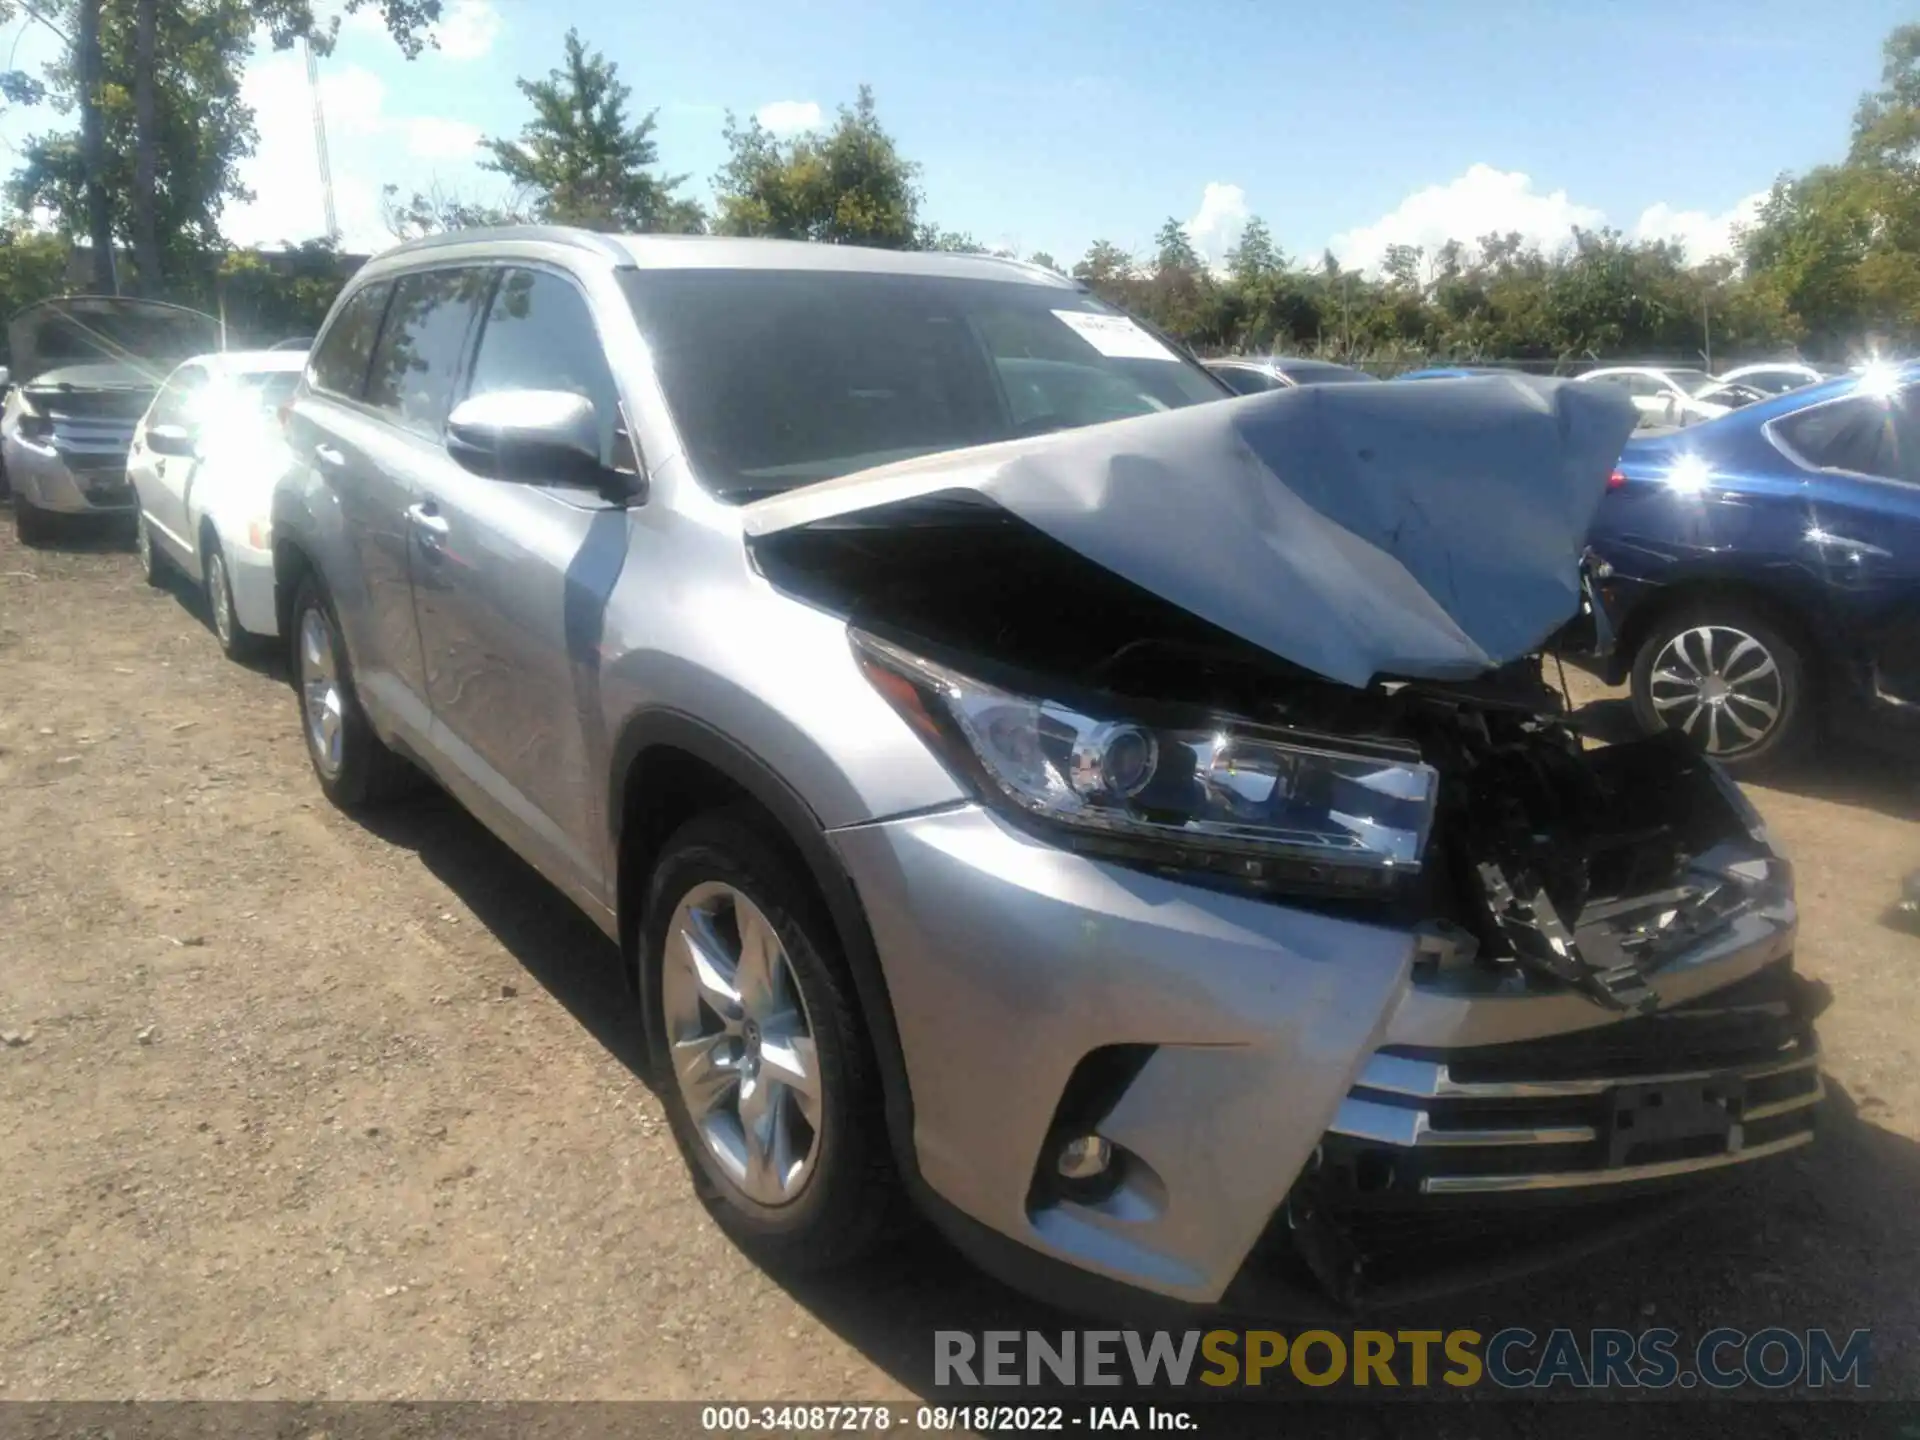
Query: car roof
x=710 y=252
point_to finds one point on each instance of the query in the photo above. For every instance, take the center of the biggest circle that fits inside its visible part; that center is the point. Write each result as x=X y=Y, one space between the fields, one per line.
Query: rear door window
x=339 y=364
x=416 y=365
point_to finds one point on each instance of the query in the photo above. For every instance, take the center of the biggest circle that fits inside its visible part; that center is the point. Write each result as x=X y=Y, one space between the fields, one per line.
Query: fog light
x=1085 y=1157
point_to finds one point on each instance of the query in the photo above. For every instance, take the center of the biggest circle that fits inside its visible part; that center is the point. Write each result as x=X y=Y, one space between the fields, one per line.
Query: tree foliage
x=850 y=186
x=580 y=158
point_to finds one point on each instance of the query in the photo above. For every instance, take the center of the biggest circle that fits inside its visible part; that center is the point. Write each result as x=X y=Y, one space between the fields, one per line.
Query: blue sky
x=1046 y=124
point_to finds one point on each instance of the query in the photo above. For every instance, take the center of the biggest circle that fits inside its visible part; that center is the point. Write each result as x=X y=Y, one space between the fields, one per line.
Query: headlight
x=1271 y=808
x=30 y=424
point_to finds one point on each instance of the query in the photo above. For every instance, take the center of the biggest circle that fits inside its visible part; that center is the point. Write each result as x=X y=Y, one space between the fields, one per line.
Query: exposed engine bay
x=1549 y=863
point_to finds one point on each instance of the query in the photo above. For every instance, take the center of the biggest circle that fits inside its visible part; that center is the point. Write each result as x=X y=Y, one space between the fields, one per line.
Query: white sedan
x=1663 y=396
x=203 y=465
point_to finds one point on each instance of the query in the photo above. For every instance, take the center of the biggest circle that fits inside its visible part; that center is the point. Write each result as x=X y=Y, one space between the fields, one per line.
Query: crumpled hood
x=149 y=336
x=1426 y=531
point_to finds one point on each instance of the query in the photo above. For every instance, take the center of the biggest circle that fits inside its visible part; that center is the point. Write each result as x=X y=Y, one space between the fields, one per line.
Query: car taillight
x=1616 y=479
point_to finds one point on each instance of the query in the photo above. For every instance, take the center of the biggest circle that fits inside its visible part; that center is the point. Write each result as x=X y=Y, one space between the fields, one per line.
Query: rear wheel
x=774 y=1095
x=354 y=766
x=1725 y=675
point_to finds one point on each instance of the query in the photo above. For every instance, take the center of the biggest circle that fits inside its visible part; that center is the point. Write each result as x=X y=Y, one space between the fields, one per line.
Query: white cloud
x=1215 y=227
x=433 y=137
x=1703 y=236
x=1482 y=201
x=284 y=173
x=467 y=29
x=788 y=117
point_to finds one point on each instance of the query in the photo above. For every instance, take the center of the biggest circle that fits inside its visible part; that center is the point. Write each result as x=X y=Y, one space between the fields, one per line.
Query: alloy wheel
x=220 y=598
x=320 y=692
x=1719 y=685
x=742 y=1043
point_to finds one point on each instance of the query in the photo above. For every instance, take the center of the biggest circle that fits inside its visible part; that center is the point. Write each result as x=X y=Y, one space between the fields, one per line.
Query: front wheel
x=1728 y=678
x=31 y=525
x=153 y=566
x=774 y=1095
x=236 y=642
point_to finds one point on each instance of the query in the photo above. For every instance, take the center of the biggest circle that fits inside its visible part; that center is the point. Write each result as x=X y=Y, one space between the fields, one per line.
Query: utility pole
x=320 y=146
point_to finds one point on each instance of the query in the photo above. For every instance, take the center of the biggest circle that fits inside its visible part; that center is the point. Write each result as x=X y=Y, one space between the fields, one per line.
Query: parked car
x=1766 y=570
x=1663 y=395
x=203 y=464
x=1775 y=377
x=1281 y=372
x=1011 y=812
x=84 y=370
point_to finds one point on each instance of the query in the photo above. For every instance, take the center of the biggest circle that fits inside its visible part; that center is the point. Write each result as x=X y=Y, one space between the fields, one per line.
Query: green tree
x=430 y=212
x=582 y=161
x=1045 y=261
x=847 y=186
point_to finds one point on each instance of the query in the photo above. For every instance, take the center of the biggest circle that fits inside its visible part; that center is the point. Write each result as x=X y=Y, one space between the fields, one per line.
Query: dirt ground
x=297 y=1106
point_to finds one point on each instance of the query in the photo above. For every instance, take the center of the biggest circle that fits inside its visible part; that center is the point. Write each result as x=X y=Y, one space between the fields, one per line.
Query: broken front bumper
x=1257 y=1067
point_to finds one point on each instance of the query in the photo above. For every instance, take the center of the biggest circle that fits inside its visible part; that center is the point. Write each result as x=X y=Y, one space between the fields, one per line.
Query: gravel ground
x=297 y=1106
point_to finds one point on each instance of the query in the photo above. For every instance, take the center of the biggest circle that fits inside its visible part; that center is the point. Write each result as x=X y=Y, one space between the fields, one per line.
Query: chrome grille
x=1695 y=1089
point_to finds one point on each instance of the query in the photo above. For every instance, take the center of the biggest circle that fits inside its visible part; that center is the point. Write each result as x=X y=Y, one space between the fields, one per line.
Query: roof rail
x=603 y=245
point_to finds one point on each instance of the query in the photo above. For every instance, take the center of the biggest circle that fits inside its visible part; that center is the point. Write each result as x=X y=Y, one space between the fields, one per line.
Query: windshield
x=778 y=379
x=1324 y=374
x=1691 y=381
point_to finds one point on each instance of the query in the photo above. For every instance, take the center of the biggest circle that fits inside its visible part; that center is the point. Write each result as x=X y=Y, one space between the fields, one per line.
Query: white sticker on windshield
x=1115 y=336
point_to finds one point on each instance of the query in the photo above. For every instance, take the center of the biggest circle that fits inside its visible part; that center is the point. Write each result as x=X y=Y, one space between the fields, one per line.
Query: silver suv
x=1128 y=821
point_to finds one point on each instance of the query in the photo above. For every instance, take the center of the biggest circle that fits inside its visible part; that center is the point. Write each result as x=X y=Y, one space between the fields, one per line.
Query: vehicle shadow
x=1823 y=1239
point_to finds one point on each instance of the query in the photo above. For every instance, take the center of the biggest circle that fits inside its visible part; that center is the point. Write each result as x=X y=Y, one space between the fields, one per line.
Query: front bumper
x=50 y=479
x=1231 y=1051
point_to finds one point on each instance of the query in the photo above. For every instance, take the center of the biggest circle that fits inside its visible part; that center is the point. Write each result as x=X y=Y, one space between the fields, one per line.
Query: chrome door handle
x=431 y=521
x=327 y=455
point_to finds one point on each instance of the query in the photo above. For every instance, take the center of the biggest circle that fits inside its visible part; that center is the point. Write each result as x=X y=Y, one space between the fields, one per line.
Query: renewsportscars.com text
x=1723 y=1358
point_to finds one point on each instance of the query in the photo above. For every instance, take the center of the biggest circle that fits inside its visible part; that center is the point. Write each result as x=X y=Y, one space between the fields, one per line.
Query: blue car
x=1452 y=372
x=1765 y=571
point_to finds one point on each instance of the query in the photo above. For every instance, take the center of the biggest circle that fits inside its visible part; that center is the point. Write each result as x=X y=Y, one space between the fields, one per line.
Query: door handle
x=327 y=455
x=429 y=527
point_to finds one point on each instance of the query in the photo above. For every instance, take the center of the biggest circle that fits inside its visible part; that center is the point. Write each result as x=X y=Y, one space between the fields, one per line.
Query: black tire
x=847 y=1204
x=153 y=563
x=236 y=641
x=367 y=772
x=1726 y=637
x=33 y=526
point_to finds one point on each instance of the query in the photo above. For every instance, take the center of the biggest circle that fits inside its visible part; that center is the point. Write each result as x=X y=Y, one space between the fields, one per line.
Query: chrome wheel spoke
x=714 y=972
x=1771 y=711
x=1747 y=732
x=743 y=1048
x=706 y=1070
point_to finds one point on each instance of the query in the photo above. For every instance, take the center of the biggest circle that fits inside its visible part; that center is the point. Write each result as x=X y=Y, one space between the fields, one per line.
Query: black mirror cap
x=538 y=437
x=173 y=440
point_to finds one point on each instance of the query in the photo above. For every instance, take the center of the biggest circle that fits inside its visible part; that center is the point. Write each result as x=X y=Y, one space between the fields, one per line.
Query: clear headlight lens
x=1223 y=796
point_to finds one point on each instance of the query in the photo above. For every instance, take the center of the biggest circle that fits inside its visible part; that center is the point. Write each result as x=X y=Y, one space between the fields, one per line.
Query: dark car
x=1281 y=372
x=1766 y=570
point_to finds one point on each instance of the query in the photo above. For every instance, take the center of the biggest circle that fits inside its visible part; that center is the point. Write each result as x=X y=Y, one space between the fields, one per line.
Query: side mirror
x=174 y=440
x=539 y=437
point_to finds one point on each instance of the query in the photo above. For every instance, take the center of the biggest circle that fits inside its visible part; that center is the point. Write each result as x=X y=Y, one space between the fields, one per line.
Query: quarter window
x=339 y=363
x=417 y=362
x=1865 y=435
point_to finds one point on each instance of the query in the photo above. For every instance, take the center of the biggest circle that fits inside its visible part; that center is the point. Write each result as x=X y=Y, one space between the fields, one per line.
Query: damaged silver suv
x=1124 y=819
